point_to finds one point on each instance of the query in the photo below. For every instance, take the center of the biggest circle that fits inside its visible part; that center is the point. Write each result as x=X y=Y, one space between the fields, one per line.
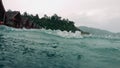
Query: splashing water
x=40 y=48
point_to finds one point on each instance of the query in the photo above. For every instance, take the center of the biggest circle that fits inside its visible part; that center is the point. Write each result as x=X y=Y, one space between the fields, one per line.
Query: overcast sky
x=104 y=14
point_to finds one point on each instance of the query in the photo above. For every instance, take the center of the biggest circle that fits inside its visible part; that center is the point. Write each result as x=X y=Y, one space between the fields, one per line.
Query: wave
x=59 y=33
x=64 y=34
x=41 y=48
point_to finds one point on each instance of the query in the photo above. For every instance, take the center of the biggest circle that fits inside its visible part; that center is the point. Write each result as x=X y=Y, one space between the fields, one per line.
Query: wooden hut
x=14 y=19
x=34 y=25
x=26 y=23
x=31 y=25
x=2 y=13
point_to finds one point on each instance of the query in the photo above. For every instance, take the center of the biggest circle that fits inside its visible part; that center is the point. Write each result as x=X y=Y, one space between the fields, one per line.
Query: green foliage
x=54 y=22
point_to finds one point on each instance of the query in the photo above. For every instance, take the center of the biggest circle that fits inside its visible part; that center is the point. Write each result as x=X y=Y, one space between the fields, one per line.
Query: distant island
x=17 y=20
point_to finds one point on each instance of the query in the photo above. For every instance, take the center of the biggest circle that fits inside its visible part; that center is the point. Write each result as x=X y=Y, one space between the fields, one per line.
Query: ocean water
x=40 y=48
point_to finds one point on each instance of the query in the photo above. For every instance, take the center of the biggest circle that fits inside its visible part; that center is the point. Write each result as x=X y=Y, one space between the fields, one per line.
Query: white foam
x=70 y=34
x=64 y=34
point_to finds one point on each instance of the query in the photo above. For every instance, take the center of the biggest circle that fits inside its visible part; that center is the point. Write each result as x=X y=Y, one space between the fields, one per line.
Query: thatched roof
x=11 y=15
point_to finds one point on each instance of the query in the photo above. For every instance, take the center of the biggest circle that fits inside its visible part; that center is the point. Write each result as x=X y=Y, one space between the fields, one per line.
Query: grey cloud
x=108 y=19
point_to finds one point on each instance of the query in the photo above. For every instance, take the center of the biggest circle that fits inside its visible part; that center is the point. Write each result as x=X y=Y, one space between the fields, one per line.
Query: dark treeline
x=53 y=22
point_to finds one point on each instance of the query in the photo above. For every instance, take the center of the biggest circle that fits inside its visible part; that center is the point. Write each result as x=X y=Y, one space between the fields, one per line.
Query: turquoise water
x=33 y=48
